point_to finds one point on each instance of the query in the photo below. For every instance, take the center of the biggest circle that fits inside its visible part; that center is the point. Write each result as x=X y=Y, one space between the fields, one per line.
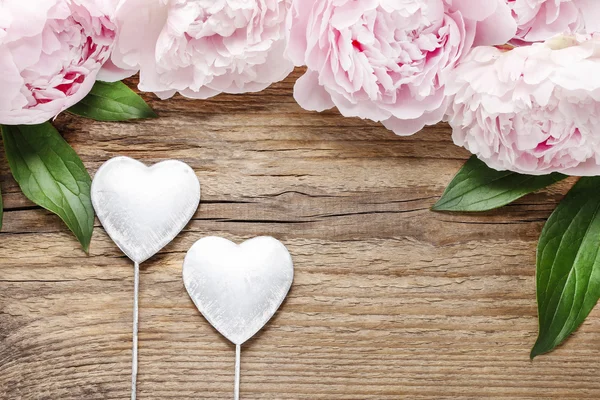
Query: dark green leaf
x=568 y=266
x=112 y=102
x=478 y=187
x=51 y=175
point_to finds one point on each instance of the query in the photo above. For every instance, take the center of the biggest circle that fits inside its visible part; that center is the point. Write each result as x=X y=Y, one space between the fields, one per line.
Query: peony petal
x=476 y=10
x=111 y=73
x=310 y=95
x=498 y=28
x=407 y=127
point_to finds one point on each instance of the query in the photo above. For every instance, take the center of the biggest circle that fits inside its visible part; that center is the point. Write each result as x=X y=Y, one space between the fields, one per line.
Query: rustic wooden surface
x=390 y=300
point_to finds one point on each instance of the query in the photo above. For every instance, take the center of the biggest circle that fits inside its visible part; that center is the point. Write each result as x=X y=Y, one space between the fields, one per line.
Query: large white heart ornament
x=143 y=208
x=238 y=288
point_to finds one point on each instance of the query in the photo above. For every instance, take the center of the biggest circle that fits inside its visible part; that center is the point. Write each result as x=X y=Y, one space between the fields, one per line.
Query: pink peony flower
x=200 y=48
x=50 y=54
x=534 y=109
x=385 y=60
x=539 y=20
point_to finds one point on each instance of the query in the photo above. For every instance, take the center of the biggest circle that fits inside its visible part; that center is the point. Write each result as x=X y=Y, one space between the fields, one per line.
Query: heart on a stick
x=143 y=208
x=238 y=288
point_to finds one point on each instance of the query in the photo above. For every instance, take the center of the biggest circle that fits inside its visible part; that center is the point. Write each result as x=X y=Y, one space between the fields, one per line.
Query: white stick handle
x=134 y=356
x=236 y=390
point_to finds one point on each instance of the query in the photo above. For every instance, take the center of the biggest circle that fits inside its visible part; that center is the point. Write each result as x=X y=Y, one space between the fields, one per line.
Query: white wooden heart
x=238 y=288
x=143 y=208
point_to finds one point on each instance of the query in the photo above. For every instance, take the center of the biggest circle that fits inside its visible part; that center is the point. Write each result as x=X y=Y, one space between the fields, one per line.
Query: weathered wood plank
x=390 y=300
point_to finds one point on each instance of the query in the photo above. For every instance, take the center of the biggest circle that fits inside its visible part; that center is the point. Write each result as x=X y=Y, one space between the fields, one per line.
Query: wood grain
x=390 y=301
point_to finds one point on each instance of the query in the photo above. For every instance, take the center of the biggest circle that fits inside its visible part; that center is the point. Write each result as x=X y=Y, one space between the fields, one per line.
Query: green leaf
x=568 y=265
x=112 y=102
x=51 y=175
x=478 y=187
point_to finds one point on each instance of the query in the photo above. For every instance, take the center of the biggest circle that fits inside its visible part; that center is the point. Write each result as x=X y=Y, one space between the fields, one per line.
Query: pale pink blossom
x=539 y=20
x=200 y=48
x=388 y=60
x=50 y=54
x=534 y=109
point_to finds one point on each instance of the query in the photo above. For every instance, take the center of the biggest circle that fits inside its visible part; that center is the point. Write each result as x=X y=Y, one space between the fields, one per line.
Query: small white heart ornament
x=238 y=288
x=144 y=208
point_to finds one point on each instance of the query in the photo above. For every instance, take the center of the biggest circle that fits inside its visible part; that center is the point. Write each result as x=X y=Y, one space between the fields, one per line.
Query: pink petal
x=310 y=95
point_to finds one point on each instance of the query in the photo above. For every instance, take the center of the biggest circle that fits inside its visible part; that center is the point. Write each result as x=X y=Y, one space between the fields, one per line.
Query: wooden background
x=390 y=300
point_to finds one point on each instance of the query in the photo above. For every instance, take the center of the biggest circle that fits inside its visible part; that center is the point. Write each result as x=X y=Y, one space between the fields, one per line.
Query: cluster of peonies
x=406 y=64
